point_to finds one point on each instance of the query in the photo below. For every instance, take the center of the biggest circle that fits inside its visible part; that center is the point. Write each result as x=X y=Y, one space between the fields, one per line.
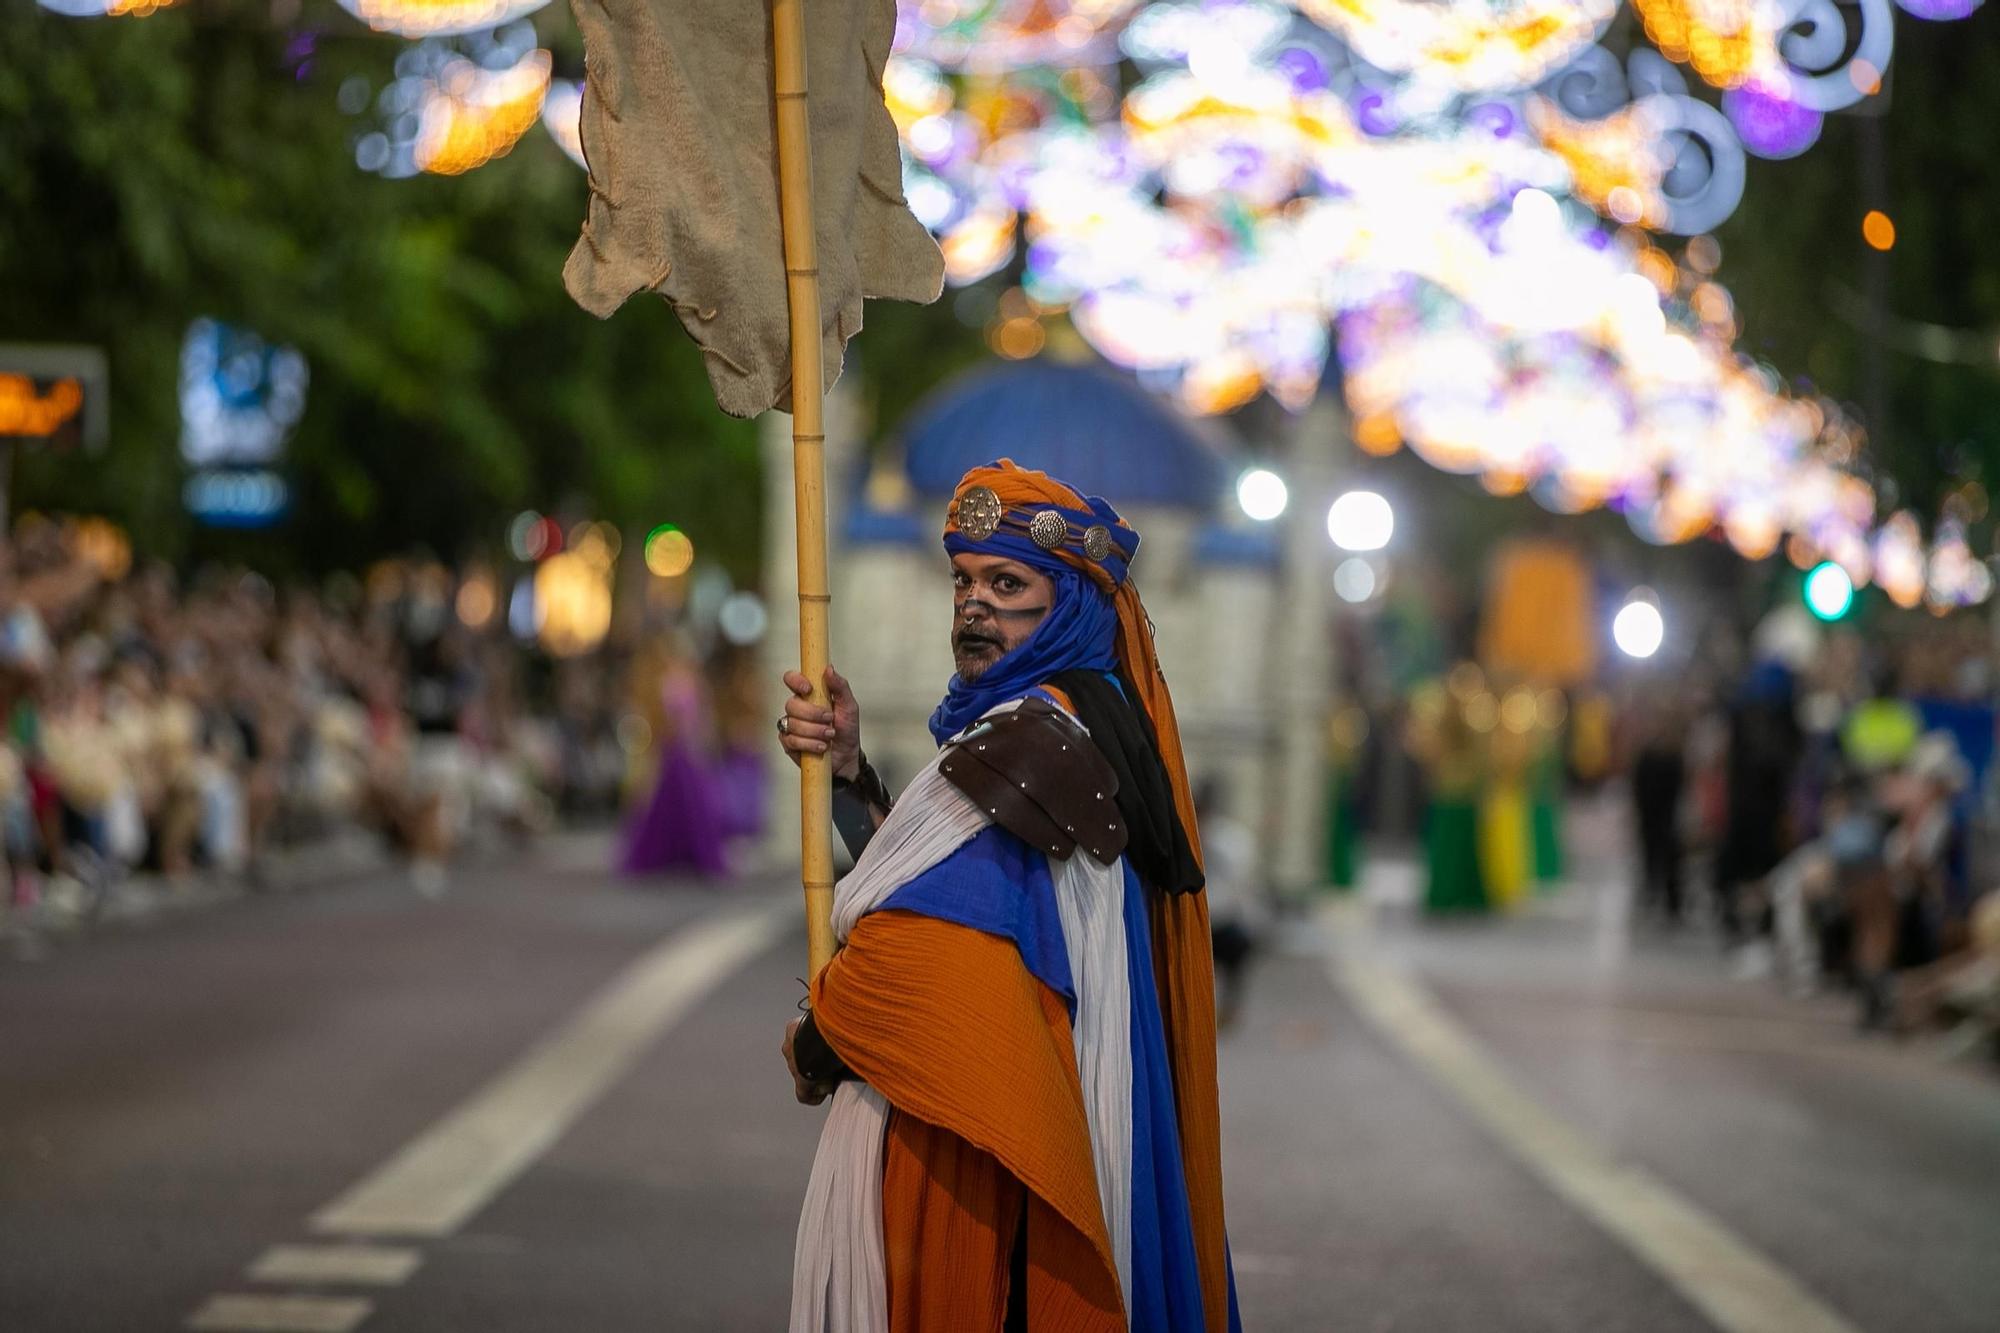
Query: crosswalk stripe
x=237 y=1313
x=1737 y=1288
x=452 y=1170
x=362 y=1265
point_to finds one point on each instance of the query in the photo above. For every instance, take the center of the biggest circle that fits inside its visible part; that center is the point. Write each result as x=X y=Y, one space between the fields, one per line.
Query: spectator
x=1659 y=779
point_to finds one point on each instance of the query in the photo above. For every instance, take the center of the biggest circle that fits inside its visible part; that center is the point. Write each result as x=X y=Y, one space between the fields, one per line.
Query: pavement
x=548 y=1101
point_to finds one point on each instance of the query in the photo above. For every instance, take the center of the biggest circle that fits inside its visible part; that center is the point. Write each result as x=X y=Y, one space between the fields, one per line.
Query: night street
x=188 y=1110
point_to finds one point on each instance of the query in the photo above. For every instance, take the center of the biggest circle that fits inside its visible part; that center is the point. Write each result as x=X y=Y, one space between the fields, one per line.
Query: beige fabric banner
x=678 y=130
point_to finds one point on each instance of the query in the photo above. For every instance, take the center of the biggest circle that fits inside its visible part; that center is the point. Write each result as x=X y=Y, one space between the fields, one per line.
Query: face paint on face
x=996 y=605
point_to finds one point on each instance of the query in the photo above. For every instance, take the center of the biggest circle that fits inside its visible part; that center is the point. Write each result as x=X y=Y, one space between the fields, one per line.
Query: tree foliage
x=197 y=163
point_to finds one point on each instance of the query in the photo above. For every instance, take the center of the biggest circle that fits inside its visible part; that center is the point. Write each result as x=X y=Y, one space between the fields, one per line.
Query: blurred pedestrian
x=1235 y=906
x=1659 y=783
x=677 y=825
x=1764 y=748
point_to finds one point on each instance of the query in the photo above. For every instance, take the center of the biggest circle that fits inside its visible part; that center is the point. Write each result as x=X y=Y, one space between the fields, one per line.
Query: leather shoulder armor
x=1036 y=772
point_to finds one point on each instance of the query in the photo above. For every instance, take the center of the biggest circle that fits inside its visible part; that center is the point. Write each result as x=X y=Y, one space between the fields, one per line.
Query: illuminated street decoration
x=990 y=36
x=1464 y=193
x=1725 y=41
x=1899 y=559
x=137 y=9
x=1467 y=45
x=1639 y=148
x=1955 y=576
x=457 y=103
x=475 y=115
x=1769 y=123
x=1467 y=191
x=561 y=110
x=438 y=18
x=1939 y=10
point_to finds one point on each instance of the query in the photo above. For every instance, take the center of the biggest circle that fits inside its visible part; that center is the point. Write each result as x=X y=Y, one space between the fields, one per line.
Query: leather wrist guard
x=1036 y=772
x=868 y=786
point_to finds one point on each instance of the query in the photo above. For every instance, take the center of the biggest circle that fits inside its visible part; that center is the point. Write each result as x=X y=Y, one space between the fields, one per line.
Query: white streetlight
x=1638 y=628
x=1354 y=580
x=1360 y=521
x=1262 y=494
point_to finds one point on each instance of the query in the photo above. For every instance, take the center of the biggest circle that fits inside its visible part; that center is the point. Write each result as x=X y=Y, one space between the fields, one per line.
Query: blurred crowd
x=1832 y=806
x=170 y=726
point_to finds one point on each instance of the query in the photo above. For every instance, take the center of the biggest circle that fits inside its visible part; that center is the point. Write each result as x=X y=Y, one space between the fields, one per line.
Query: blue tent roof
x=1219 y=545
x=1096 y=430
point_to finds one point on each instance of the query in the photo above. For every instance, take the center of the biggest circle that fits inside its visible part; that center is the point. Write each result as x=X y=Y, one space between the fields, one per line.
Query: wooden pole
x=795 y=207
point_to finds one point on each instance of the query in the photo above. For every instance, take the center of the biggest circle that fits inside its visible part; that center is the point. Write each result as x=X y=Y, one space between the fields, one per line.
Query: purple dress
x=680 y=826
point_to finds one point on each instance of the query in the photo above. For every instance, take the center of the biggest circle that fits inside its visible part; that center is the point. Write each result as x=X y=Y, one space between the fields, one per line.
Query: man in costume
x=1018 y=1031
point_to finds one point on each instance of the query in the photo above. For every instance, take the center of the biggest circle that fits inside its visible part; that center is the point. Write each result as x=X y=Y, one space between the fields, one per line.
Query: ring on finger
x=784 y=726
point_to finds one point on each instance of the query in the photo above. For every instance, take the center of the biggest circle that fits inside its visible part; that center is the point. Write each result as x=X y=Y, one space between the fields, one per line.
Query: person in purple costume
x=679 y=827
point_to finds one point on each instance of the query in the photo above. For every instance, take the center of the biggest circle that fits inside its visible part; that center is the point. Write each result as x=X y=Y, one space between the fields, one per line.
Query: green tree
x=197 y=163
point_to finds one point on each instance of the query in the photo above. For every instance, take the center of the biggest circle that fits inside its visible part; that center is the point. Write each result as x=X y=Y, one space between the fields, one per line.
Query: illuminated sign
x=240 y=396
x=52 y=395
x=34 y=409
x=236 y=497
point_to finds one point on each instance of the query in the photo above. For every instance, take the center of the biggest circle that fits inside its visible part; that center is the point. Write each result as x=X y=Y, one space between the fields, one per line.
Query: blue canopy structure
x=1092 y=427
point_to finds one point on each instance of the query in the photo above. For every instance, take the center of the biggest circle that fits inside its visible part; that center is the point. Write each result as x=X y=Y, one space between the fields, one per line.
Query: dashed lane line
x=1722 y=1275
x=356 y=1265
x=452 y=1170
x=236 y=1313
x=448 y=1173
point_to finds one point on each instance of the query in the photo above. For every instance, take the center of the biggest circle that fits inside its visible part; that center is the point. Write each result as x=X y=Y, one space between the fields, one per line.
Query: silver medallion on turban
x=1049 y=529
x=977 y=512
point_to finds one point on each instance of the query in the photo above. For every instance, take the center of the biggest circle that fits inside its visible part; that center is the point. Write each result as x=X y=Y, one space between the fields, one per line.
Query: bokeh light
x=1262 y=494
x=1360 y=521
x=669 y=551
x=1638 y=629
x=742 y=618
x=572 y=604
x=477 y=600
x=525 y=535
x=1829 y=591
x=1354 y=579
x=1771 y=124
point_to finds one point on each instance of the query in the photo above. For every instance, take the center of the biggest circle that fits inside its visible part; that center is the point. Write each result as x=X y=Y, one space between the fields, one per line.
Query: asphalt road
x=179 y=1104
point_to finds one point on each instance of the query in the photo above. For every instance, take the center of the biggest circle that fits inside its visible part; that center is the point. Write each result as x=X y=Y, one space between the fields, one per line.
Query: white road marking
x=1719 y=1273
x=280 y=1314
x=452 y=1170
x=362 y=1265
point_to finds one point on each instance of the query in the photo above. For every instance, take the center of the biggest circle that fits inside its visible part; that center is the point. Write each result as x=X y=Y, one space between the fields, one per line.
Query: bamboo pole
x=795 y=207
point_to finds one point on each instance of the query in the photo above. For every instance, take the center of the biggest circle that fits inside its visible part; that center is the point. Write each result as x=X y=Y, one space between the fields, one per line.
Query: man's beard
x=971 y=666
